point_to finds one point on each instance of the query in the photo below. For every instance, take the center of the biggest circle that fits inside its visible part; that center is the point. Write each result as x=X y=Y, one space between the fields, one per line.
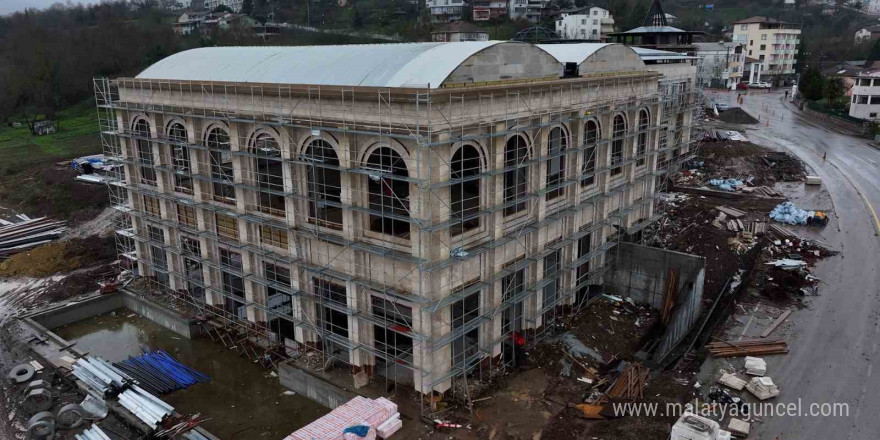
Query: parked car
x=761 y=85
x=742 y=86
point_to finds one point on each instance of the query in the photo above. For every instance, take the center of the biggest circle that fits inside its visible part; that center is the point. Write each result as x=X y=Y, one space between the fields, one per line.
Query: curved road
x=834 y=342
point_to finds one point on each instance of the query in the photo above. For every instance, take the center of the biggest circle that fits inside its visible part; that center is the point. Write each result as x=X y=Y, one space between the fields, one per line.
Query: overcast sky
x=10 y=6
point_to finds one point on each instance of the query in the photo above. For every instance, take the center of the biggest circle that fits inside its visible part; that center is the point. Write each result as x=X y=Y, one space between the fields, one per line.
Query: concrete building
x=867 y=34
x=531 y=10
x=865 y=97
x=459 y=31
x=485 y=10
x=589 y=23
x=718 y=64
x=411 y=211
x=444 y=11
x=772 y=42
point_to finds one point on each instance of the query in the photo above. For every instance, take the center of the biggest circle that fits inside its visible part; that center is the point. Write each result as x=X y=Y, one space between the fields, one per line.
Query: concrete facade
x=443 y=220
x=865 y=99
x=590 y=24
x=772 y=42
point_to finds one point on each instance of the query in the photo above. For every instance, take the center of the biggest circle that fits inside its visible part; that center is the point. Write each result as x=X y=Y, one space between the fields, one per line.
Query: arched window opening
x=556 y=146
x=617 y=145
x=180 y=160
x=388 y=192
x=642 y=147
x=269 y=167
x=221 y=165
x=591 y=140
x=516 y=153
x=144 y=152
x=465 y=191
x=324 y=184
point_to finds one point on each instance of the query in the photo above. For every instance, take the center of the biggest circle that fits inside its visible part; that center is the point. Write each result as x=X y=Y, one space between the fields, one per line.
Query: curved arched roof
x=372 y=65
x=596 y=57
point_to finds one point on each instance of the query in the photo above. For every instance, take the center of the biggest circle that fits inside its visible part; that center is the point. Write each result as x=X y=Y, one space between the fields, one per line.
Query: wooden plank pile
x=630 y=383
x=28 y=234
x=781 y=232
x=759 y=347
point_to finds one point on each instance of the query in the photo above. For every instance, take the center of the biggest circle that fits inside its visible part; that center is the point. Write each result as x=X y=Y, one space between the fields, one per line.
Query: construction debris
x=730 y=380
x=630 y=383
x=762 y=347
x=762 y=388
x=693 y=427
x=755 y=366
x=739 y=428
x=776 y=323
x=733 y=212
x=28 y=234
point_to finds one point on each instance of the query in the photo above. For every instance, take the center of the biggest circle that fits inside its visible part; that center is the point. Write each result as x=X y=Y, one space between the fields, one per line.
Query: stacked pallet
x=762 y=347
x=28 y=234
x=630 y=383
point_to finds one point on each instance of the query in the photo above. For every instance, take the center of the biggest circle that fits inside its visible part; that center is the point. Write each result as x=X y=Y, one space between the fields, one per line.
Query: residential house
x=867 y=34
x=445 y=11
x=190 y=22
x=719 y=64
x=865 y=96
x=587 y=23
x=531 y=10
x=460 y=31
x=485 y=10
x=772 y=42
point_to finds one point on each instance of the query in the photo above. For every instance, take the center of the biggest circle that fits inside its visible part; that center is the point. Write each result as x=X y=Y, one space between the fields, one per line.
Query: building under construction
x=411 y=210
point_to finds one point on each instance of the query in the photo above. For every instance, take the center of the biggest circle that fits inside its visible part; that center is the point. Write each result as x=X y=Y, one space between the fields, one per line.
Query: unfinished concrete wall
x=640 y=272
x=315 y=388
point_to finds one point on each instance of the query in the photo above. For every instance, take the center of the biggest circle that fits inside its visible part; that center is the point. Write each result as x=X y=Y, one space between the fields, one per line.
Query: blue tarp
x=786 y=212
x=726 y=184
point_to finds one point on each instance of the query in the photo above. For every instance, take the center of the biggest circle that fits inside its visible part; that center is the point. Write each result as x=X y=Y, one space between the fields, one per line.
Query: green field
x=77 y=135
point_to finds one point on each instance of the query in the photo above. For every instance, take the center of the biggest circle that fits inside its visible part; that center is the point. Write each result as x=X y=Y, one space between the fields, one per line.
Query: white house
x=865 y=101
x=719 y=64
x=443 y=11
x=527 y=9
x=592 y=23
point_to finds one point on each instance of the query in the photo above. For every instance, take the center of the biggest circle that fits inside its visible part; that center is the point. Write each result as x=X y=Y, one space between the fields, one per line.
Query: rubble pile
x=735 y=165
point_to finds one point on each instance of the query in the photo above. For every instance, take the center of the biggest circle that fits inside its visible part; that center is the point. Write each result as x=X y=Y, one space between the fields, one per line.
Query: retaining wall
x=311 y=386
x=68 y=313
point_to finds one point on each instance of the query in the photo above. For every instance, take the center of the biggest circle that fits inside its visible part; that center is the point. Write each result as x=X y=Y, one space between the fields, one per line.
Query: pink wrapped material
x=357 y=411
x=392 y=407
x=388 y=428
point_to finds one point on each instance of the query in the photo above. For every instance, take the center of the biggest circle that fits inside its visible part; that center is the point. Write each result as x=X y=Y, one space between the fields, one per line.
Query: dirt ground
x=743 y=160
x=60 y=257
x=52 y=191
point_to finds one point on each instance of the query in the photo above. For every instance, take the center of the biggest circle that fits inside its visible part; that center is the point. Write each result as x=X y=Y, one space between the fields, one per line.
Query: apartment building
x=772 y=42
x=406 y=210
x=588 y=23
x=444 y=11
x=234 y=5
x=530 y=10
x=485 y=10
x=719 y=64
x=459 y=31
x=865 y=98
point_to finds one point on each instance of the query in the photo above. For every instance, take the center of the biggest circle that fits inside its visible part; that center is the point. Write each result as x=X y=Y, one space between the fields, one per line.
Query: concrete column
x=496 y=162
x=238 y=168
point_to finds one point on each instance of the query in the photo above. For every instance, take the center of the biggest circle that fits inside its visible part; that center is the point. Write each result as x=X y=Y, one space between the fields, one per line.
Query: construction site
x=416 y=222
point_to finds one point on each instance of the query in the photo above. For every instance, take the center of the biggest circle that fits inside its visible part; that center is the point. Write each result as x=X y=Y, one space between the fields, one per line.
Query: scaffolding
x=419 y=236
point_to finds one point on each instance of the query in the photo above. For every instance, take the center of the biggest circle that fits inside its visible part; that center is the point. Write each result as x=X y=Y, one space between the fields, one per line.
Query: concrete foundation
x=67 y=313
x=640 y=272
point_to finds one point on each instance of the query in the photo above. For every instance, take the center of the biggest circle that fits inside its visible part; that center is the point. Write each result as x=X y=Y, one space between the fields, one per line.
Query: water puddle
x=242 y=401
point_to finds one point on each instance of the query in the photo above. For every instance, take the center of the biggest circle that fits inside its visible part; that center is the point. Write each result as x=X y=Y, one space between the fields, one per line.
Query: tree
x=874 y=53
x=834 y=91
x=247 y=7
x=811 y=84
x=222 y=8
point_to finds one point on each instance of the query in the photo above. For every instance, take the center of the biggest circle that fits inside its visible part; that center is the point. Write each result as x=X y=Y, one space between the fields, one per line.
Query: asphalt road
x=834 y=342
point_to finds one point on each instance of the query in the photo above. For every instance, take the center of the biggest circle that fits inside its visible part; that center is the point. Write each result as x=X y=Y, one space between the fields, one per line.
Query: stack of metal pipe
x=100 y=374
x=147 y=407
x=93 y=433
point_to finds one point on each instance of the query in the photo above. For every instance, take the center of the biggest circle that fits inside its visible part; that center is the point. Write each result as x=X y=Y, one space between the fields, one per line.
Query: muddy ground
x=52 y=191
